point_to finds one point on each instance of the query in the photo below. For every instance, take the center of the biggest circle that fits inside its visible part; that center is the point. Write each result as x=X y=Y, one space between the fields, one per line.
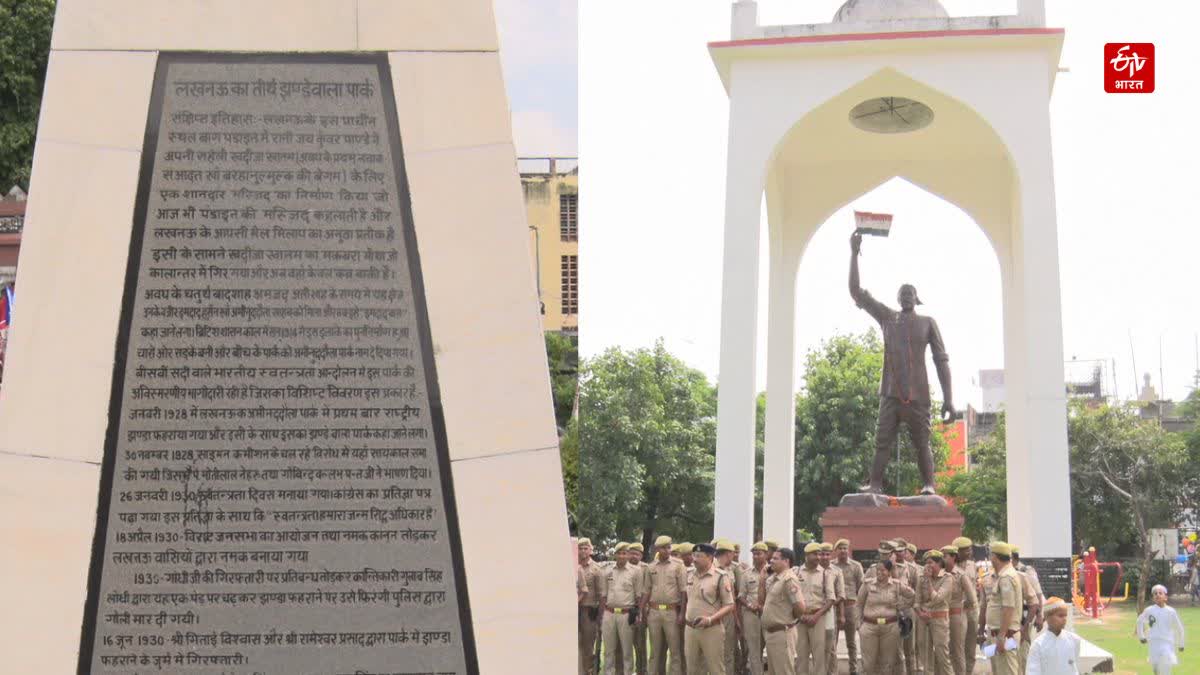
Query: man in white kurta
x=1056 y=650
x=1159 y=624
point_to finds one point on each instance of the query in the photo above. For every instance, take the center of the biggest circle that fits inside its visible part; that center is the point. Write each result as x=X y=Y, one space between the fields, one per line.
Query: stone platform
x=927 y=521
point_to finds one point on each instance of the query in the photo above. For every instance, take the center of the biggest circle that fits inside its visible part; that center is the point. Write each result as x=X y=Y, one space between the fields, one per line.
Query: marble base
x=859 y=499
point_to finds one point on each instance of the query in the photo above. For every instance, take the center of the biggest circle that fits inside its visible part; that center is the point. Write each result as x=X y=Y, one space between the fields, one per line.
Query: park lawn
x=1116 y=634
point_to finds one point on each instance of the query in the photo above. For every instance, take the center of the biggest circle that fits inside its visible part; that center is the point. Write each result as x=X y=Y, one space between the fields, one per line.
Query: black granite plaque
x=276 y=493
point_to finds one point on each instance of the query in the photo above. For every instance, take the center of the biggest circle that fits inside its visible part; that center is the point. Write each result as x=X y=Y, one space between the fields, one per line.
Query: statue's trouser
x=892 y=413
x=880 y=646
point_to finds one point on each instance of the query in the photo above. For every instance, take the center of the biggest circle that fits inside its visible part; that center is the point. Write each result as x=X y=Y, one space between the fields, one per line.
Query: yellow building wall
x=543 y=203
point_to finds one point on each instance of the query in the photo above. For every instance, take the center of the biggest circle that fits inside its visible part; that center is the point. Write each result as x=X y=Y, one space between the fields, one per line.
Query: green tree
x=1118 y=458
x=562 y=352
x=24 y=50
x=981 y=494
x=647 y=423
x=836 y=414
x=562 y=355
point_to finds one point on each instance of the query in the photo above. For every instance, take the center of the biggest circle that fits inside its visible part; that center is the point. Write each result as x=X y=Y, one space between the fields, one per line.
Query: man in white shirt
x=1160 y=625
x=1056 y=650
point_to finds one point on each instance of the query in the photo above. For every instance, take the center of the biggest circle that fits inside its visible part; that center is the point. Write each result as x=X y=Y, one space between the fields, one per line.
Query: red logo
x=1129 y=67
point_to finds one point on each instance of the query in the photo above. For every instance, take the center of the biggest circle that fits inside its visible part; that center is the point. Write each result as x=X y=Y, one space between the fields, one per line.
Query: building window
x=568 y=217
x=570 y=284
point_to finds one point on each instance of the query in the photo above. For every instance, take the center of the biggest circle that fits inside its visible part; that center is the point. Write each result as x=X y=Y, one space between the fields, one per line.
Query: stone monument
x=278 y=392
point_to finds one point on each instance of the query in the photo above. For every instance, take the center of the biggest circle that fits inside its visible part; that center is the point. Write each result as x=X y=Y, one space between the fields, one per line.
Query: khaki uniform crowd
x=693 y=609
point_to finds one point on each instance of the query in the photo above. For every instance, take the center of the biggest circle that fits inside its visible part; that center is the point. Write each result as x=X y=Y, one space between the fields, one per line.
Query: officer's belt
x=776 y=629
x=662 y=606
x=851 y=601
x=939 y=615
x=619 y=610
x=881 y=620
x=955 y=611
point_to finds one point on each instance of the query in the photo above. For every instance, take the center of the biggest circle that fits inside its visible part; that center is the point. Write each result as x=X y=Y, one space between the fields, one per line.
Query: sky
x=538 y=52
x=653 y=129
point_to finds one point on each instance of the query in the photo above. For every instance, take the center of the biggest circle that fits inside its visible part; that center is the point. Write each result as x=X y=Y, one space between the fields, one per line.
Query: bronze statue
x=904 y=389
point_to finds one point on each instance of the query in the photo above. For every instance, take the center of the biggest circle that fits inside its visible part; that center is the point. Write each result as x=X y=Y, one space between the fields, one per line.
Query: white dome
x=854 y=11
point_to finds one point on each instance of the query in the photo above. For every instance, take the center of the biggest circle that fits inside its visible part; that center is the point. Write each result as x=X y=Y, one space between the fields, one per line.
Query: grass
x=1116 y=634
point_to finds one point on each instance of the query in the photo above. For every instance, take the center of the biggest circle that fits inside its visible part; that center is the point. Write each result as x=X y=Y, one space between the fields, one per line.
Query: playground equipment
x=1087 y=599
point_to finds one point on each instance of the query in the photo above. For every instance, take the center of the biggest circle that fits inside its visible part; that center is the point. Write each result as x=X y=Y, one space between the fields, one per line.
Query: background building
x=551 y=186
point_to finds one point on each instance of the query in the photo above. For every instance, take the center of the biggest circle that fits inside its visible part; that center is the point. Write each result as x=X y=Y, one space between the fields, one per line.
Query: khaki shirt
x=963 y=596
x=883 y=600
x=580 y=582
x=933 y=593
x=816 y=585
x=665 y=581
x=1004 y=590
x=913 y=573
x=1034 y=582
x=708 y=592
x=852 y=575
x=592 y=573
x=971 y=571
x=753 y=579
x=783 y=592
x=622 y=586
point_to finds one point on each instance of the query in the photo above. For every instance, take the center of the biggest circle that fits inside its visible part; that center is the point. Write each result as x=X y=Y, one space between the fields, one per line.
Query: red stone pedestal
x=931 y=526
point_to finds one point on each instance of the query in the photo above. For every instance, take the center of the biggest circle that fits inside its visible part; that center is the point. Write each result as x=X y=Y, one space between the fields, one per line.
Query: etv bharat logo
x=1129 y=67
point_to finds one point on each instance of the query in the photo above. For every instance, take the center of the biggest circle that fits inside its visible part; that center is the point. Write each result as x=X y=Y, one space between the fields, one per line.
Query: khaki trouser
x=665 y=637
x=810 y=649
x=935 y=643
x=705 y=649
x=958 y=629
x=1023 y=650
x=781 y=651
x=752 y=631
x=831 y=639
x=880 y=647
x=639 y=647
x=912 y=659
x=969 y=647
x=851 y=632
x=1007 y=663
x=589 y=632
x=618 y=643
x=730 y=647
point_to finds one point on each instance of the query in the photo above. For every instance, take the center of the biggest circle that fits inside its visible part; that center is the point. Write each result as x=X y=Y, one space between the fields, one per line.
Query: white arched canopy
x=987 y=151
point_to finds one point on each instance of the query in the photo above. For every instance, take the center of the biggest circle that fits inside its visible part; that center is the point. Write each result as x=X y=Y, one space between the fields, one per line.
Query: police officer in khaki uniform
x=966 y=563
x=727 y=562
x=835 y=618
x=679 y=663
x=1031 y=593
x=589 y=608
x=709 y=598
x=819 y=597
x=880 y=600
x=963 y=603
x=621 y=592
x=908 y=572
x=933 y=608
x=663 y=608
x=852 y=576
x=637 y=553
x=782 y=603
x=752 y=608
x=1002 y=608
